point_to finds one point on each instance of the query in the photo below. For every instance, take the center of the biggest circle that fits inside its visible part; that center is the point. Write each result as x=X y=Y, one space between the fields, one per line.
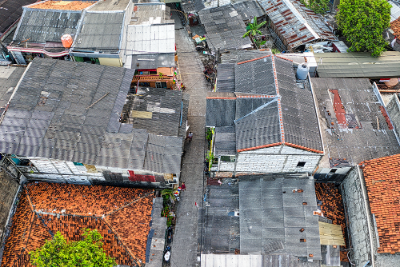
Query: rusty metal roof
x=295 y=22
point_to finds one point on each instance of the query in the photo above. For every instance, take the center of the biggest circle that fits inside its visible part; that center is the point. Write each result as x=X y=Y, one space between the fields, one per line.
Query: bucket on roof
x=302 y=71
x=66 y=40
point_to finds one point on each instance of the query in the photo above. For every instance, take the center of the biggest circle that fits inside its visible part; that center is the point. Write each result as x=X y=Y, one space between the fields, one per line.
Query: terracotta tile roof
x=395 y=26
x=332 y=208
x=382 y=178
x=63 y=5
x=121 y=215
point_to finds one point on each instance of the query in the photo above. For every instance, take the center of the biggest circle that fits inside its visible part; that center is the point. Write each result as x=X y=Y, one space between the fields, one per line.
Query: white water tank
x=302 y=71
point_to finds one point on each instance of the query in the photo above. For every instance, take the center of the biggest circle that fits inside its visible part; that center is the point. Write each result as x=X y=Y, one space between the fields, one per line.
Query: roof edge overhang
x=304 y=148
x=38 y=50
x=259 y=147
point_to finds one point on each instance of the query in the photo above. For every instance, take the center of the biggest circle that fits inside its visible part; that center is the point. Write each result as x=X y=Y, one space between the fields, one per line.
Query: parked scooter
x=167 y=254
x=169 y=235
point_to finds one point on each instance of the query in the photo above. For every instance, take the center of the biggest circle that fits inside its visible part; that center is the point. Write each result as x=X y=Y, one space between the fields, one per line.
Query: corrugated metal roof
x=296 y=23
x=151 y=13
x=225 y=28
x=154 y=38
x=40 y=26
x=358 y=65
x=10 y=11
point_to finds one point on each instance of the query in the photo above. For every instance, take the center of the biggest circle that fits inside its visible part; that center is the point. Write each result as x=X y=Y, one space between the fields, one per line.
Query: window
x=333 y=170
x=301 y=164
x=161 y=85
x=228 y=158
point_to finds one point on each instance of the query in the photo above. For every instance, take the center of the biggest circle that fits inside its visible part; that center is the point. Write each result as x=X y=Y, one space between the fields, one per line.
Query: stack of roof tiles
x=382 y=178
x=121 y=215
x=332 y=207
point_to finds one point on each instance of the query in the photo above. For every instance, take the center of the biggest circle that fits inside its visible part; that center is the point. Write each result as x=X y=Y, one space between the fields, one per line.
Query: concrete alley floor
x=186 y=245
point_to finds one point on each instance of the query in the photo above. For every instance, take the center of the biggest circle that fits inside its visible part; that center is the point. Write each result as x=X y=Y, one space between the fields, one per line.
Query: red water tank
x=66 y=40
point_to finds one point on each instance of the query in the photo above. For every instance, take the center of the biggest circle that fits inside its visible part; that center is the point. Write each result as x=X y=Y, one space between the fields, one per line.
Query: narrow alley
x=185 y=248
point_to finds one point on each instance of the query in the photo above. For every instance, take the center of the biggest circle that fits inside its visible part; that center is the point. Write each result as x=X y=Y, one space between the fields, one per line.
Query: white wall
x=272 y=160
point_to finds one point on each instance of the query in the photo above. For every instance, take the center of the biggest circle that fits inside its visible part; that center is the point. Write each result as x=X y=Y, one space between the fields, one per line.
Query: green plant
x=169 y=220
x=168 y=194
x=275 y=51
x=259 y=43
x=362 y=22
x=59 y=252
x=165 y=211
x=209 y=134
x=253 y=29
x=160 y=75
x=318 y=6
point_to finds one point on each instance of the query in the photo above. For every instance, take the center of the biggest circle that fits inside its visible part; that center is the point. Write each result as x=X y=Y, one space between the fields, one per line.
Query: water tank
x=302 y=71
x=66 y=40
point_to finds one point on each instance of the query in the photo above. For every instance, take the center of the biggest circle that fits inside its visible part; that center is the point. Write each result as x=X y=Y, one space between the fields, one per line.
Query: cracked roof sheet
x=359 y=100
x=296 y=23
x=57 y=113
x=121 y=215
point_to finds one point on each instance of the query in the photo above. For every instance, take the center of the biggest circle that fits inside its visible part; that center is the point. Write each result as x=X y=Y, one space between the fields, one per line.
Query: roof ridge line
x=254 y=59
x=130 y=203
x=279 y=102
x=258 y=147
x=276 y=98
x=120 y=240
x=304 y=148
x=256 y=96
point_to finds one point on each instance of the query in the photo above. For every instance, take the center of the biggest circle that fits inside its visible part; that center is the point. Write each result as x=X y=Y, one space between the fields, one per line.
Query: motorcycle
x=169 y=235
x=167 y=254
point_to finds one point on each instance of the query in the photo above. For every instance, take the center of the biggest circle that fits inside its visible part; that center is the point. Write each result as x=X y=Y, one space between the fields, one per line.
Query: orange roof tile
x=63 y=5
x=332 y=208
x=121 y=215
x=382 y=178
x=395 y=26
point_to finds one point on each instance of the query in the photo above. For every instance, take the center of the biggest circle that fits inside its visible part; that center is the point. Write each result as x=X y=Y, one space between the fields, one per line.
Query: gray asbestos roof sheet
x=40 y=26
x=255 y=77
x=255 y=106
x=224 y=27
x=225 y=140
x=226 y=77
x=249 y=9
x=10 y=11
x=271 y=215
x=359 y=99
x=100 y=32
x=165 y=106
x=220 y=112
x=299 y=116
x=50 y=114
x=110 y=5
x=9 y=77
x=259 y=127
x=163 y=154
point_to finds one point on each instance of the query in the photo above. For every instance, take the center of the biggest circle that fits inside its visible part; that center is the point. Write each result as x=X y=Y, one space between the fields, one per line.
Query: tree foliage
x=362 y=22
x=253 y=28
x=58 y=252
x=318 y=6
